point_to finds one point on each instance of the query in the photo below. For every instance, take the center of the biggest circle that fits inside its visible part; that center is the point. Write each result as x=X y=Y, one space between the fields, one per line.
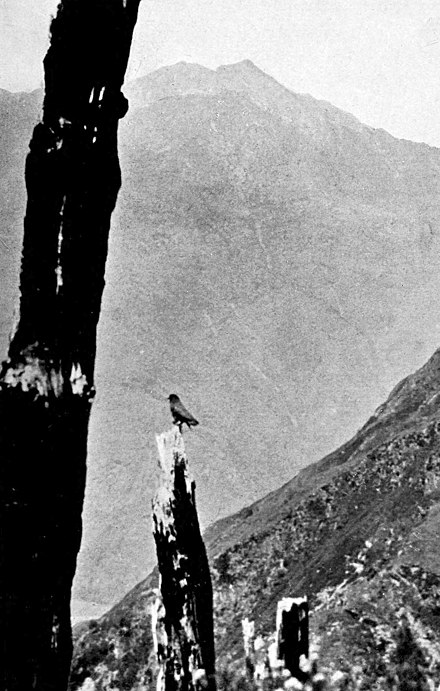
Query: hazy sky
x=378 y=59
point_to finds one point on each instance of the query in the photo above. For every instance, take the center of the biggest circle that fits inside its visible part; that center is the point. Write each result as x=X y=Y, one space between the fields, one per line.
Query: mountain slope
x=18 y=114
x=357 y=531
x=272 y=260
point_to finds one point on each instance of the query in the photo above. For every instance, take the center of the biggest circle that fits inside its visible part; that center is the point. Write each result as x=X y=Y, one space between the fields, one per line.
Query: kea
x=181 y=415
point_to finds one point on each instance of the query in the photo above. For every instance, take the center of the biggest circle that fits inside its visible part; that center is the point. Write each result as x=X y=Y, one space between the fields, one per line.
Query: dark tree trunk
x=293 y=633
x=46 y=385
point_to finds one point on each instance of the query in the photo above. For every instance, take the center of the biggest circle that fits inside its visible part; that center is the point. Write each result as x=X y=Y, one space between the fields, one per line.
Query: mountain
x=18 y=114
x=272 y=260
x=358 y=532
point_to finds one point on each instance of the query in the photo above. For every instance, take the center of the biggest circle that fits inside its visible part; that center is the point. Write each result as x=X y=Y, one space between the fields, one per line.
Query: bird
x=181 y=415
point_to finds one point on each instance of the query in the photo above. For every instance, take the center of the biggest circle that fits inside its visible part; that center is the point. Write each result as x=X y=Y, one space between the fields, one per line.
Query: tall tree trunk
x=46 y=385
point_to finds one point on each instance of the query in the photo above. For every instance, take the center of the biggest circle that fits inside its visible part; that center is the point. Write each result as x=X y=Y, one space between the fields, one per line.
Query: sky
x=377 y=59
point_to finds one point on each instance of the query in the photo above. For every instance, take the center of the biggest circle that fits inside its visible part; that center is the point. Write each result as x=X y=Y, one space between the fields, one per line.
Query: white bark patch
x=55 y=633
x=33 y=375
x=78 y=380
x=171 y=454
x=58 y=270
x=248 y=628
x=160 y=637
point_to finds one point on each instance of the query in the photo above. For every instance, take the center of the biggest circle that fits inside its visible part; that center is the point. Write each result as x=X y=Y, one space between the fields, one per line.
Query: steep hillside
x=272 y=260
x=358 y=532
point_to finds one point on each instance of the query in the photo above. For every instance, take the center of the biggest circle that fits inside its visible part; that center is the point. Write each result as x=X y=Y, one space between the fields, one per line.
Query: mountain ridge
x=247 y=66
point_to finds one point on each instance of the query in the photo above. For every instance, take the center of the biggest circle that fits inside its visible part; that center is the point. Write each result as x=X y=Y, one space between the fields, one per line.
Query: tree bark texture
x=293 y=632
x=46 y=385
x=187 y=627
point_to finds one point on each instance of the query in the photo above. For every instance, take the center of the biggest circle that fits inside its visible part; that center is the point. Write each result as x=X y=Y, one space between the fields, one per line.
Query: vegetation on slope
x=357 y=532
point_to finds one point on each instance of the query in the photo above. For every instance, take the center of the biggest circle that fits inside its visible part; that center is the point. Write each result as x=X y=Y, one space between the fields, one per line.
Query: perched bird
x=180 y=414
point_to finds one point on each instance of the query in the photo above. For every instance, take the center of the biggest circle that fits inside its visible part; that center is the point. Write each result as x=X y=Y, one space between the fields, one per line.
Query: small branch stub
x=184 y=630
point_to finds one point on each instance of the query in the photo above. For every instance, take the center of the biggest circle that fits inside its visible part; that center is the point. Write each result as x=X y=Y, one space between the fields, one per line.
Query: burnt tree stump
x=185 y=638
x=293 y=632
x=47 y=383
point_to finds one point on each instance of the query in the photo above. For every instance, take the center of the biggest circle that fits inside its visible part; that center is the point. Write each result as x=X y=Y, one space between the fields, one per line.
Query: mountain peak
x=242 y=64
x=248 y=70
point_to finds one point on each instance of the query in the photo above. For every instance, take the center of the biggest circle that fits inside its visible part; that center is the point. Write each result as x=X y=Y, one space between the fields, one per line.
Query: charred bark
x=293 y=633
x=46 y=384
x=185 y=635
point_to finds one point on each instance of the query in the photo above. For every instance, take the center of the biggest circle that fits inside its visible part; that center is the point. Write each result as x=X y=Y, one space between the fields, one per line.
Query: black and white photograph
x=220 y=345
